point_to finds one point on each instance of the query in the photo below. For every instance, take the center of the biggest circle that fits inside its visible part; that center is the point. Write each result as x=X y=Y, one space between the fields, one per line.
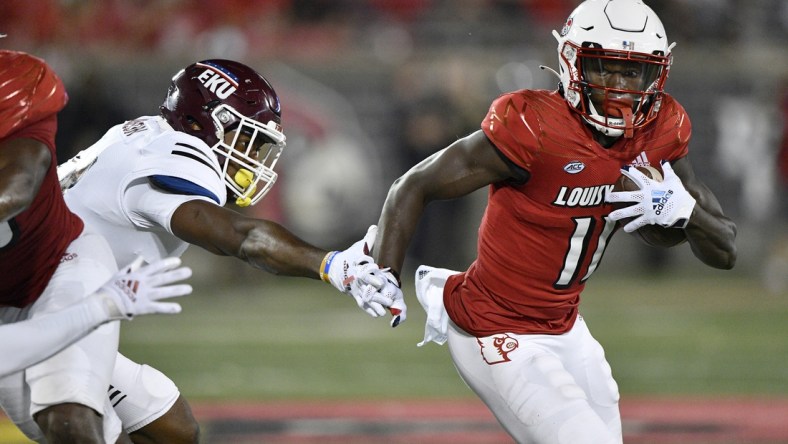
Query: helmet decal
x=217 y=80
x=567 y=26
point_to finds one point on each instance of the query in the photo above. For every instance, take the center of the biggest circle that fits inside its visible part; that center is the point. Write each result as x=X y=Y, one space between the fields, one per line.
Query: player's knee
x=187 y=428
x=70 y=423
x=177 y=426
x=189 y=433
x=184 y=429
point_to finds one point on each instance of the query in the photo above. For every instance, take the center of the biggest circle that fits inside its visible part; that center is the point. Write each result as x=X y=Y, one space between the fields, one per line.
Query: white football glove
x=667 y=203
x=70 y=171
x=340 y=269
x=135 y=290
x=382 y=287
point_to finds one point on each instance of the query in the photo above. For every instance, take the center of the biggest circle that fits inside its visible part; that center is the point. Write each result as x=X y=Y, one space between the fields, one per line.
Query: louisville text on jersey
x=582 y=196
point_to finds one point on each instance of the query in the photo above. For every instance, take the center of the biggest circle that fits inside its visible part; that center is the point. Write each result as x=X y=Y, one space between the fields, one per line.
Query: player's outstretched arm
x=127 y=294
x=354 y=272
x=269 y=246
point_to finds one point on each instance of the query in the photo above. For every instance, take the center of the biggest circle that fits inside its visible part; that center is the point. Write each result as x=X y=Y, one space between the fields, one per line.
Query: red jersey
x=539 y=242
x=32 y=243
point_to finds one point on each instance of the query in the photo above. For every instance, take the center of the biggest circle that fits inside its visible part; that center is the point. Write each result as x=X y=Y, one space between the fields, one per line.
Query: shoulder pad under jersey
x=522 y=123
x=673 y=115
x=180 y=163
x=29 y=91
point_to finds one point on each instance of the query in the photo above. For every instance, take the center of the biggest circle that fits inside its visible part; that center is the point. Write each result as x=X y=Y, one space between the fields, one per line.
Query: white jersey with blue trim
x=145 y=171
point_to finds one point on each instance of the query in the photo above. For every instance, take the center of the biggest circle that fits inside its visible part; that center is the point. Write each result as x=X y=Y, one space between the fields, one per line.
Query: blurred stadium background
x=368 y=88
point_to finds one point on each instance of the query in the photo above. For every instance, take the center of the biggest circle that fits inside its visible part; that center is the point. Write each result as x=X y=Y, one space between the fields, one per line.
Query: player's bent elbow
x=722 y=257
x=728 y=250
x=404 y=189
x=728 y=260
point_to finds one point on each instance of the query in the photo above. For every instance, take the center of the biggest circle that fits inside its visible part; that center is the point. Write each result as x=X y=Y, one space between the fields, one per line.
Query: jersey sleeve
x=672 y=131
x=173 y=169
x=681 y=121
x=148 y=207
x=30 y=91
x=181 y=164
x=508 y=128
x=43 y=130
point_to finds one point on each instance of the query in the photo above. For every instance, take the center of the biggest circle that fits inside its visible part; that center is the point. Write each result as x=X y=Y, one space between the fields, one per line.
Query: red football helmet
x=212 y=98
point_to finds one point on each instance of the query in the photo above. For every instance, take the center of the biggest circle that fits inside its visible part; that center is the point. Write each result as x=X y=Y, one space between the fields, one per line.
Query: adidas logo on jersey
x=641 y=160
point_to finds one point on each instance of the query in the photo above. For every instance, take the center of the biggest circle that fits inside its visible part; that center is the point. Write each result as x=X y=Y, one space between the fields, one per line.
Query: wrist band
x=326 y=264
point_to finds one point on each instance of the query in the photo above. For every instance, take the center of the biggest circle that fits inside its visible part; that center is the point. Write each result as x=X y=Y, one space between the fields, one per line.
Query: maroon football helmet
x=212 y=98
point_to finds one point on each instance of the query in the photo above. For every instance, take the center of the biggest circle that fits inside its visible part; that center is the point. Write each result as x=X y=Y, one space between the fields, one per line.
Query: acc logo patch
x=495 y=349
x=574 y=167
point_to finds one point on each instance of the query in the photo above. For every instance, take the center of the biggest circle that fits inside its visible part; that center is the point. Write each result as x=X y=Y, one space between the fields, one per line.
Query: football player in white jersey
x=160 y=183
x=134 y=291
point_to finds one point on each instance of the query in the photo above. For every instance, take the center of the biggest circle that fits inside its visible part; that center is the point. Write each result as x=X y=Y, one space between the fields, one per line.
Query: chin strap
x=629 y=126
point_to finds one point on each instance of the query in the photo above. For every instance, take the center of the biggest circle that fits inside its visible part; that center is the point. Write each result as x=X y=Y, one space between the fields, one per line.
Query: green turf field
x=699 y=334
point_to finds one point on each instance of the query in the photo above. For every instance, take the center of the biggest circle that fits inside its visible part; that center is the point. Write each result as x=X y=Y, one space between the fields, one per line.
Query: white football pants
x=543 y=389
x=81 y=372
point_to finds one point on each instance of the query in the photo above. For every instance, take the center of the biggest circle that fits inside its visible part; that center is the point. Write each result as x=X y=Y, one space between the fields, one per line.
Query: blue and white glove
x=136 y=289
x=667 y=203
x=342 y=268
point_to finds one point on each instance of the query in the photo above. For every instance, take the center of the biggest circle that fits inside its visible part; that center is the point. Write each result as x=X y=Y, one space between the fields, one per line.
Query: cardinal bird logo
x=495 y=349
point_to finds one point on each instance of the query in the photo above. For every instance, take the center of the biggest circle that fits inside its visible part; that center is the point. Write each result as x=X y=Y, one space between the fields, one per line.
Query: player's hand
x=381 y=287
x=70 y=171
x=666 y=203
x=388 y=287
x=136 y=290
x=338 y=267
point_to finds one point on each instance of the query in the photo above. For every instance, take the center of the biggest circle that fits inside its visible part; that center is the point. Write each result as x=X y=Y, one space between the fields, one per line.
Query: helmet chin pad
x=618 y=107
x=621 y=108
x=609 y=124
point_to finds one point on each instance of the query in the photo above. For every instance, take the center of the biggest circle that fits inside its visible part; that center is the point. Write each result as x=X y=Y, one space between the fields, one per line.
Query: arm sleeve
x=29 y=342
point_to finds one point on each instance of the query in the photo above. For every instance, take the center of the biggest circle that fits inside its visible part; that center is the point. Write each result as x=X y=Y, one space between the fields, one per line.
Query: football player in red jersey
x=48 y=262
x=549 y=160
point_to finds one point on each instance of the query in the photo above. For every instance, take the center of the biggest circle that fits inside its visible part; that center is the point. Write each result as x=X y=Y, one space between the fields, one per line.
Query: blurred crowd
x=371 y=87
x=314 y=28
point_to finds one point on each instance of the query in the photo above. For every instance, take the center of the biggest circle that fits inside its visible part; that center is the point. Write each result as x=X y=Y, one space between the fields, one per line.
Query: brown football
x=653 y=235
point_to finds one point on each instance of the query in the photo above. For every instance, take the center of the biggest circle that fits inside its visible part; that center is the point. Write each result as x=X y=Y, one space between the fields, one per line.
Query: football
x=652 y=235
